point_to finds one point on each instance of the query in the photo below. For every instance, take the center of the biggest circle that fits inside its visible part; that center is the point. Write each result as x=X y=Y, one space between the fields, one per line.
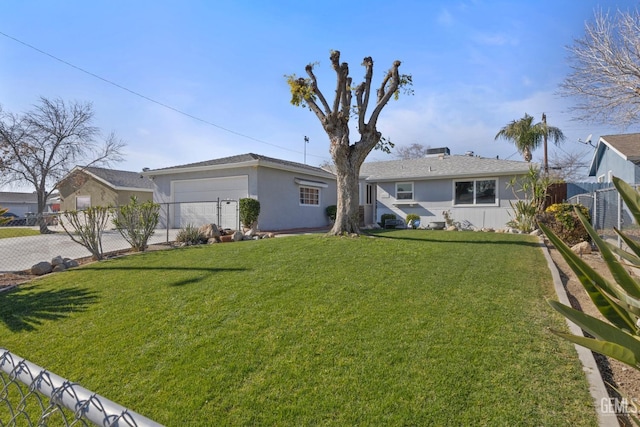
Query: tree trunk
x=348 y=159
x=41 y=220
x=347 y=217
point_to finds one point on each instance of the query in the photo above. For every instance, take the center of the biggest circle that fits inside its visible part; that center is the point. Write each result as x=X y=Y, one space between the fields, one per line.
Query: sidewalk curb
x=589 y=366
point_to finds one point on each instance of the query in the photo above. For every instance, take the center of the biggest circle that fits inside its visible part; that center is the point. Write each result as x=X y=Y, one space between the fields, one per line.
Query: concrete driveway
x=20 y=253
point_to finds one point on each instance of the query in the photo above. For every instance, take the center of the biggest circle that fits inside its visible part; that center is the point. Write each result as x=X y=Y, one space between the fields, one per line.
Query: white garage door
x=196 y=200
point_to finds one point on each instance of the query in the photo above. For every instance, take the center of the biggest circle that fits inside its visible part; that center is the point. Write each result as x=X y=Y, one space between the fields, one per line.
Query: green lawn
x=6 y=232
x=412 y=328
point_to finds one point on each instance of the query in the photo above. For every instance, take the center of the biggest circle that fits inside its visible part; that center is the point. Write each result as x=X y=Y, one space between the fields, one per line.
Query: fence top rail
x=93 y=407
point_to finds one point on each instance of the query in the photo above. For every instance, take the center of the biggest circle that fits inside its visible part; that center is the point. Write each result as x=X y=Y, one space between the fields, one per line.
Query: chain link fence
x=22 y=252
x=32 y=396
x=608 y=210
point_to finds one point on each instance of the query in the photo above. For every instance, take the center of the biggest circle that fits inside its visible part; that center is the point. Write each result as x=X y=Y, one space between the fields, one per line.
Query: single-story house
x=291 y=195
x=19 y=203
x=617 y=155
x=469 y=187
x=84 y=187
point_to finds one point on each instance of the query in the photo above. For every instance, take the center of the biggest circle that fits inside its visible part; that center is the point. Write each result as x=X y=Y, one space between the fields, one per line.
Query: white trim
x=475 y=204
x=310 y=205
x=306 y=183
x=413 y=192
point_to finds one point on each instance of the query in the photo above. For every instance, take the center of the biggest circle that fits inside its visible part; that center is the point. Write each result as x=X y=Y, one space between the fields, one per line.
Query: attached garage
x=210 y=191
x=208 y=200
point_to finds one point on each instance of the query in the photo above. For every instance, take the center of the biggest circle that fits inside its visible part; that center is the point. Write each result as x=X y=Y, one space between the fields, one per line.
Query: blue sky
x=476 y=66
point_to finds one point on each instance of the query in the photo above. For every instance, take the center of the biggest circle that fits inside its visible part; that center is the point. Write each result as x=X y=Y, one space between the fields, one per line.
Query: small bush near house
x=249 y=212
x=385 y=217
x=86 y=227
x=411 y=218
x=563 y=221
x=332 y=211
x=136 y=222
x=190 y=235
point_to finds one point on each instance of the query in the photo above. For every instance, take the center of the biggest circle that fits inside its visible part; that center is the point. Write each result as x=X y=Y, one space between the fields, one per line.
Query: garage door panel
x=194 y=199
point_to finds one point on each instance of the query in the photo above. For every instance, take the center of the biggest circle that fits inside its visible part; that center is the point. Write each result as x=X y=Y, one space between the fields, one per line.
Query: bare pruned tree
x=41 y=146
x=570 y=166
x=606 y=70
x=334 y=117
x=413 y=151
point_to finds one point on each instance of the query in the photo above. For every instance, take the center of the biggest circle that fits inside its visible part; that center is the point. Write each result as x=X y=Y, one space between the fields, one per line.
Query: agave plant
x=618 y=302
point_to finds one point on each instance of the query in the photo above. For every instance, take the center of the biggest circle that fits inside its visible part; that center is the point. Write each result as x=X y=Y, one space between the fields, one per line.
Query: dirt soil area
x=616 y=375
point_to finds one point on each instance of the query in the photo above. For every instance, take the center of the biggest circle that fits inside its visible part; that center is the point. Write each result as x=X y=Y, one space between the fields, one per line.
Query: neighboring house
x=617 y=155
x=84 y=187
x=19 y=203
x=471 y=188
x=291 y=195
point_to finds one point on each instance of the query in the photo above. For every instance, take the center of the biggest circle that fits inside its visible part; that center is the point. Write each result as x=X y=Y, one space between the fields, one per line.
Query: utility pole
x=306 y=141
x=546 y=134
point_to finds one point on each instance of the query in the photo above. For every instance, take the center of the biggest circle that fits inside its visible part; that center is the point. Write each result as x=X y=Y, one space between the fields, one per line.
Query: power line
x=138 y=94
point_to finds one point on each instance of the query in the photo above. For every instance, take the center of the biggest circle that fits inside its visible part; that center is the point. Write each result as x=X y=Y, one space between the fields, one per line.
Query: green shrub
x=385 y=217
x=618 y=302
x=332 y=211
x=190 y=235
x=562 y=219
x=411 y=218
x=137 y=222
x=86 y=227
x=249 y=211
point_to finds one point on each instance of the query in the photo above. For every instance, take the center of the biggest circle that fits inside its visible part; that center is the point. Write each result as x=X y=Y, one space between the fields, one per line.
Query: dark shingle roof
x=121 y=179
x=627 y=144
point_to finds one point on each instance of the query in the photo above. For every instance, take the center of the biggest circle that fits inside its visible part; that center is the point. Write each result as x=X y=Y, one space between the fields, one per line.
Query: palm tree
x=527 y=137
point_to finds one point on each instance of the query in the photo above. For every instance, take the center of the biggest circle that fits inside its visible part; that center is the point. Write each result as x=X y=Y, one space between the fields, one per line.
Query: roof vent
x=145 y=169
x=469 y=153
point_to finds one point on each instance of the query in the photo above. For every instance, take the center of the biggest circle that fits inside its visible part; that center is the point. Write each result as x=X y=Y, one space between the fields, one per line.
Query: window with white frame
x=404 y=190
x=475 y=192
x=83 y=202
x=309 y=196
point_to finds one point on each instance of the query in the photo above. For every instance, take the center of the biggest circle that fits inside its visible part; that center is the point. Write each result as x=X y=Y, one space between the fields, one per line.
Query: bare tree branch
x=45 y=143
x=606 y=70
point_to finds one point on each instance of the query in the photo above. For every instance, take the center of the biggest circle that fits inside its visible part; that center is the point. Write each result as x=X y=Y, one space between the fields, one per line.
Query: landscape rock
x=452 y=228
x=213 y=240
x=582 y=248
x=238 y=236
x=536 y=233
x=226 y=238
x=210 y=231
x=70 y=263
x=59 y=267
x=41 y=268
x=57 y=261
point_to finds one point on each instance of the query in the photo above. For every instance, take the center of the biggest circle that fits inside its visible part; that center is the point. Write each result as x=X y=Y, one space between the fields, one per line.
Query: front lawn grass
x=414 y=327
x=6 y=232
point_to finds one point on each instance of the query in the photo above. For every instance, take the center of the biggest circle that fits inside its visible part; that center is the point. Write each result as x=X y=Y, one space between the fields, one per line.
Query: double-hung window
x=475 y=192
x=404 y=190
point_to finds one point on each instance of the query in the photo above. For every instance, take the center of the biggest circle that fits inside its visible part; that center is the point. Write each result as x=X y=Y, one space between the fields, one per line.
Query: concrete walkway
x=20 y=253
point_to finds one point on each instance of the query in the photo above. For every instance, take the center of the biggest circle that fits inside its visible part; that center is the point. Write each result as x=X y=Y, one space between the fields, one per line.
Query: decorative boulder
x=70 y=263
x=210 y=231
x=41 y=268
x=582 y=248
x=238 y=236
x=59 y=267
x=57 y=261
